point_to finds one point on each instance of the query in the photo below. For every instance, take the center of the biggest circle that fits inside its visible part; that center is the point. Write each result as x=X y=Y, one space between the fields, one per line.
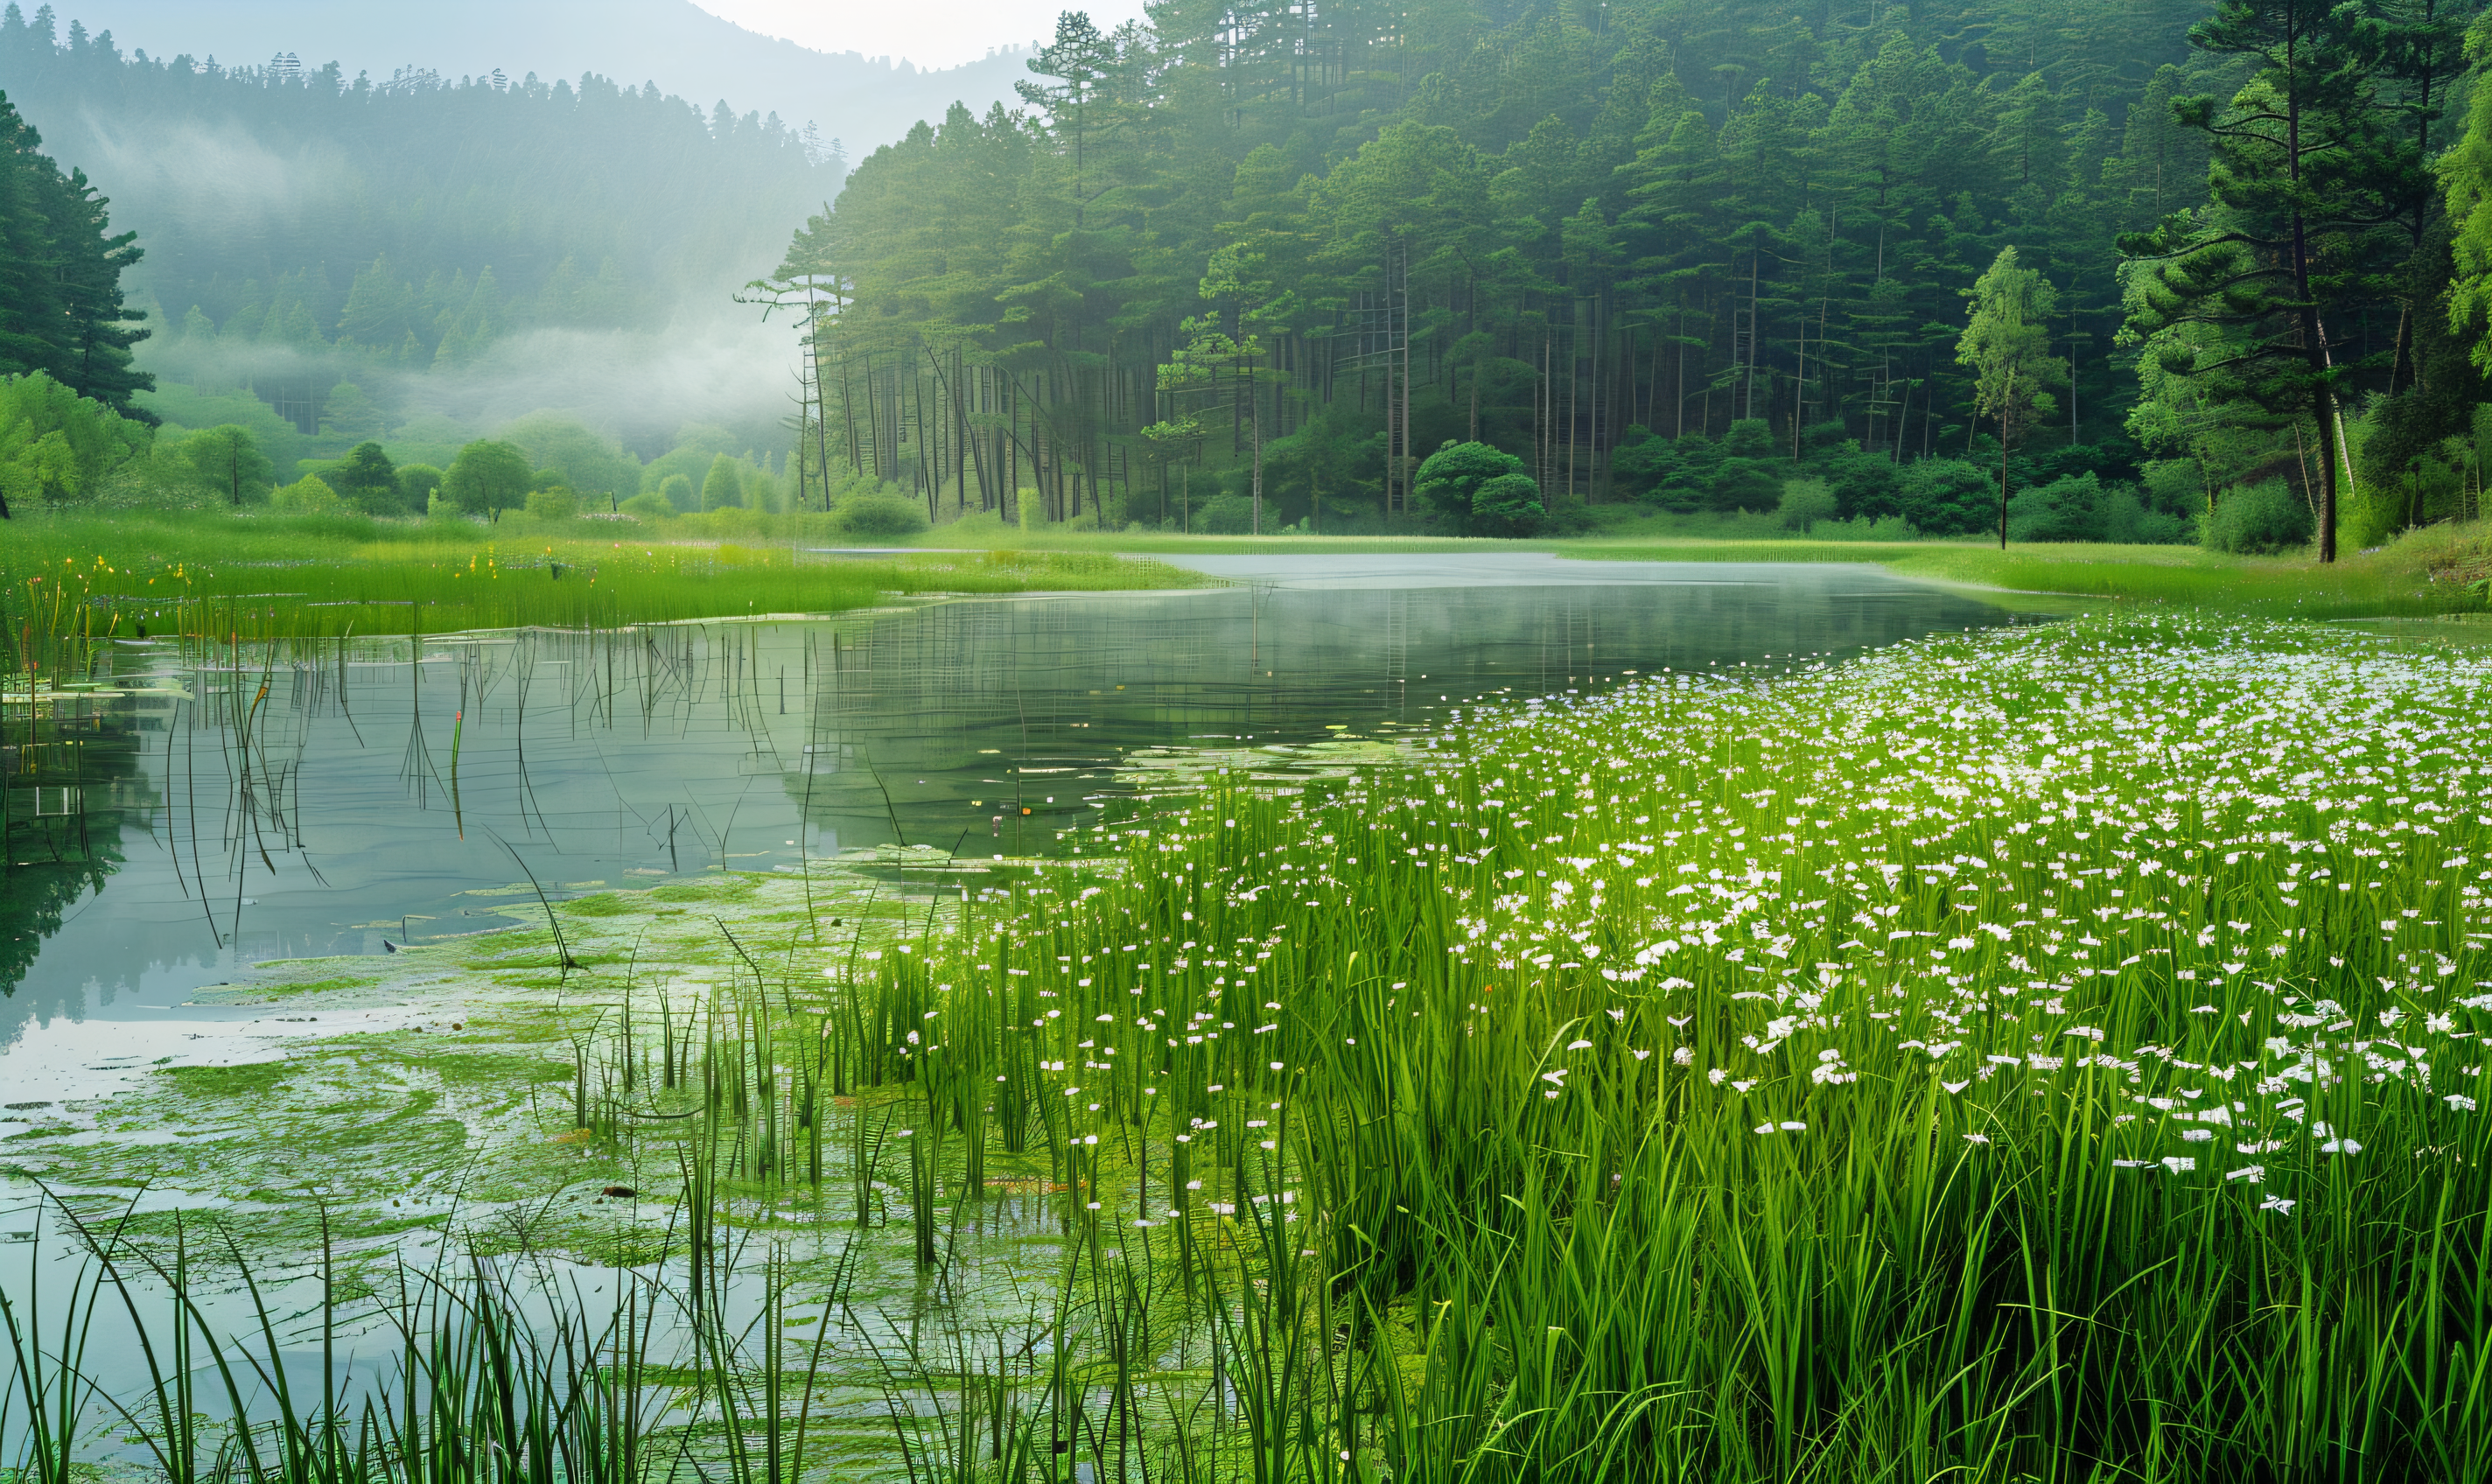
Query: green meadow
x=271 y=576
x=2047 y=1052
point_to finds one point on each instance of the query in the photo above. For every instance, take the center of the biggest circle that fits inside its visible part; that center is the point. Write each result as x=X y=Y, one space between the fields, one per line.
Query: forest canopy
x=1674 y=253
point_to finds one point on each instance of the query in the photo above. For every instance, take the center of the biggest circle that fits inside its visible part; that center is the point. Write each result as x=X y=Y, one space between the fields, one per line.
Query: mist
x=641 y=388
x=848 y=77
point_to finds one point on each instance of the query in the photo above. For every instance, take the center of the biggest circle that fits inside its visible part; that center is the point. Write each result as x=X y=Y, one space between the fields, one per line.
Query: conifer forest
x=1663 y=253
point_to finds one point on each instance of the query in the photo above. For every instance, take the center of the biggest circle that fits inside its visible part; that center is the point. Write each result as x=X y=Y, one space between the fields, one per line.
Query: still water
x=234 y=806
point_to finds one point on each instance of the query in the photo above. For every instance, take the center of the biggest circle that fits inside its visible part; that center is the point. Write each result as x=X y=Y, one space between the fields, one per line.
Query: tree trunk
x=2323 y=405
x=1254 y=417
x=2003 y=463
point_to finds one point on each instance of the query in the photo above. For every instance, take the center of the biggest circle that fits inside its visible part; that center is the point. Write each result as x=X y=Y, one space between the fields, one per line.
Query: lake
x=232 y=806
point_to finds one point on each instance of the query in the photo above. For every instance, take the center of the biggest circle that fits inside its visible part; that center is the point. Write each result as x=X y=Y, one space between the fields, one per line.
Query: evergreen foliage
x=720 y=487
x=1594 y=238
x=1673 y=251
x=366 y=479
x=61 y=307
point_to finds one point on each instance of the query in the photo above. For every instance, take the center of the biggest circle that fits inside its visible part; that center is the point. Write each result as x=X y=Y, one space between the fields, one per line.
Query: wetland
x=602 y=955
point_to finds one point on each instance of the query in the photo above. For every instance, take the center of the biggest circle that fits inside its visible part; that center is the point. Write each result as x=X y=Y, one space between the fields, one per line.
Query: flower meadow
x=2034 y=1053
x=2046 y=1053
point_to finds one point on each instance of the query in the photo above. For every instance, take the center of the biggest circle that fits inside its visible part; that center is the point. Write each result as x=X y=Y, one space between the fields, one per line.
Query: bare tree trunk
x=2003 y=461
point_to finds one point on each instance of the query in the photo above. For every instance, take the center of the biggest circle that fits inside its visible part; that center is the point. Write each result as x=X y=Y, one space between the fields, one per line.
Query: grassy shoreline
x=265 y=577
x=2034 y=1053
x=2424 y=574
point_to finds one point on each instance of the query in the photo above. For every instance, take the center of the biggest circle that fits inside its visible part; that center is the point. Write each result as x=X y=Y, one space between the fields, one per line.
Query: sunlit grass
x=2426 y=572
x=2051 y=1052
x=2014 y=1055
x=271 y=577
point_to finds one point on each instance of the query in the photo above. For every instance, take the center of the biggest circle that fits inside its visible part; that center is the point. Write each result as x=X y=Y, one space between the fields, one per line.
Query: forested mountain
x=686 y=50
x=302 y=227
x=1666 y=250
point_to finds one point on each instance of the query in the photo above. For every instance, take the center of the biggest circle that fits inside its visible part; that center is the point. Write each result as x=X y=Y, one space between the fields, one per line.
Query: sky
x=930 y=33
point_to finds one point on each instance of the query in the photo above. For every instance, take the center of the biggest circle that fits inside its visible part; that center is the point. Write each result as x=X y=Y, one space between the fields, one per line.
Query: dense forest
x=1673 y=252
x=2132 y=270
x=304 y=228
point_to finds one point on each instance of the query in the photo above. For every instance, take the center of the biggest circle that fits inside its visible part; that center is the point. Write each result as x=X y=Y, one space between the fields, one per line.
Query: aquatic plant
x=2040 y=1053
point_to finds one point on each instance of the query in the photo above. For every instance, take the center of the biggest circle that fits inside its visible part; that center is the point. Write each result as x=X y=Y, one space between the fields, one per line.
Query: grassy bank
x=2425 y=572
x=2046 y=1053
x=265 y=575
x=2016 y=1056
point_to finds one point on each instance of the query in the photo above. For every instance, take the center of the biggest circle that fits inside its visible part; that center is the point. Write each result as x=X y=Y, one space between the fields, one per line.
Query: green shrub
x=367 y=481
x=1805 y=502
x=2067 y=509
x=1508 y=505
x=310 y=496
x=722 y=487
x=56 y=445
x=2129 y=520
x=1224 y=515
x=881 y=515
x=1480 y=490
x=553 y=504
x=1949 y=496
x=417 y=484
x=650 y=506
x=2257 y=518
x=1643 y=462
x=1746 y=484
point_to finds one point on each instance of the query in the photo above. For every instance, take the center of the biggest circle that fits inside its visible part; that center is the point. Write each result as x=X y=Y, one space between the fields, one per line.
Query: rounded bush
x=2257 y=520
x=878 y=515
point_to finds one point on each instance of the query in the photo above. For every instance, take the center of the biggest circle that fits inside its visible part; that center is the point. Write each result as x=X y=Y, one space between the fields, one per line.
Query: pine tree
x=2308 y=185
x=62 y=311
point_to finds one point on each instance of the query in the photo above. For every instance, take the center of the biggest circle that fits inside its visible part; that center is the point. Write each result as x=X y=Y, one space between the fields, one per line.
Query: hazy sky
x=930 y=33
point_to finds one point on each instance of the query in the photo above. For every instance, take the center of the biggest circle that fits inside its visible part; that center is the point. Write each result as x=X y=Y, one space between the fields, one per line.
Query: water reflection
x=337 y=796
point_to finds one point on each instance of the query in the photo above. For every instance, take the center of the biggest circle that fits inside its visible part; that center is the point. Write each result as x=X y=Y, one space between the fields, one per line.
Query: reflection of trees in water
x=1034 y=704
x=62 y=831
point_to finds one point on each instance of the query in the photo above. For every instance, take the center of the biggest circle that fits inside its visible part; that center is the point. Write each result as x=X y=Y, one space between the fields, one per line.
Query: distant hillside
x=423 y=239
x=863 y=101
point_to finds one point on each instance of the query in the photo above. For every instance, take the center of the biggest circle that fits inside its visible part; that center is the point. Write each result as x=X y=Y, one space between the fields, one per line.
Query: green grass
x=265 y=575
x=2425 y=572
x=2032 y=1054
x=2397 y=582
x=2035 y=1054
x=2043 y=1055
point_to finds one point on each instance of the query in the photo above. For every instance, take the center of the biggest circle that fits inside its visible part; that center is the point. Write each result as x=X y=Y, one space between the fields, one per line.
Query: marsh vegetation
x=2029 y=1052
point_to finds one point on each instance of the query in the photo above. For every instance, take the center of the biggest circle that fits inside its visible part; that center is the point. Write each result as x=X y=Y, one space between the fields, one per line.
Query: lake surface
x=239 y=805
